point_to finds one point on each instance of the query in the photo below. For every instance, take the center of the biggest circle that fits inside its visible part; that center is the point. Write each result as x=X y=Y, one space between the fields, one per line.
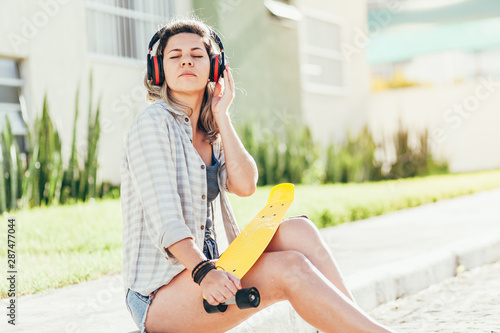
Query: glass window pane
x=321 y=70
x=9 y=94
x=122 y=34
x=8 y=69
x=322 y=34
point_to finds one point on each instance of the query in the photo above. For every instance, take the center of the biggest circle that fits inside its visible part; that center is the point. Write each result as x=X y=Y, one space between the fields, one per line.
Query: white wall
x=463 y=120
x=330 y=116
x=50 y=39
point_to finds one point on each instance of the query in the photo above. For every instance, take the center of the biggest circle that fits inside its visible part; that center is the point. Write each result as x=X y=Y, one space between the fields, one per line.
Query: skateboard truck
x=245 y=299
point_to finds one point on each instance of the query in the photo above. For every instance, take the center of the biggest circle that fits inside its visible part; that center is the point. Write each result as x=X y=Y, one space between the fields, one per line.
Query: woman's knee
x=300 y=224
x=294 y=268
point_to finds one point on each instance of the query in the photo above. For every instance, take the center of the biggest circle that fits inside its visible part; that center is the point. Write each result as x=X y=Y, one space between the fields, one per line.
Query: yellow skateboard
x=247 y=247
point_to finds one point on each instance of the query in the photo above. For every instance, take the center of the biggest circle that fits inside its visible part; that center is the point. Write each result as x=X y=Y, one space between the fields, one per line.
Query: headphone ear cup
x=155 y=69
x=160 y=68
x=150 y=68
x=213 y=63
x=216 y=67
x=222 y=65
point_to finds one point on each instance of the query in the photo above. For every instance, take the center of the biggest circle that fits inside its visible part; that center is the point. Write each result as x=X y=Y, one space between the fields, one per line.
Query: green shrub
x=414 y=161
x=11 y=169
x=352 y=161
x=291 y=155
x=42 y=181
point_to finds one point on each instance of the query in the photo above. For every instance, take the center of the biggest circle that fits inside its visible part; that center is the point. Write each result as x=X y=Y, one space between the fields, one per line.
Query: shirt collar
x=169 y=108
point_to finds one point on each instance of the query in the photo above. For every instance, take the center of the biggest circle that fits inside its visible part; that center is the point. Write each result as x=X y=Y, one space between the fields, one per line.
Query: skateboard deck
x=248 y=246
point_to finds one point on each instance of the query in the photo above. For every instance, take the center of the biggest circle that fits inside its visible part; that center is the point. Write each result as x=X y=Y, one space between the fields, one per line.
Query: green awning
x=402 y=45
x=465 y=25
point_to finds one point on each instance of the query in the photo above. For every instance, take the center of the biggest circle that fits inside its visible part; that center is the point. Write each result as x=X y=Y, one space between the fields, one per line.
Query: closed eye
x=193 y=57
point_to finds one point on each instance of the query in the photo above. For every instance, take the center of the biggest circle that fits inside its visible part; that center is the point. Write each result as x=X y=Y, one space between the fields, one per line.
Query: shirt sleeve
x=154 y=176
x=222 y=168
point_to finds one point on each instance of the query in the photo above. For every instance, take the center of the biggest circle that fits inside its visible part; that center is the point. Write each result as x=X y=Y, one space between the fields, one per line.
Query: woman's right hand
x=218 y=286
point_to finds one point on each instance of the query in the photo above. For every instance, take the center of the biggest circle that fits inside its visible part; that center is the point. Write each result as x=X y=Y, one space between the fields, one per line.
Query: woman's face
x=186 y=63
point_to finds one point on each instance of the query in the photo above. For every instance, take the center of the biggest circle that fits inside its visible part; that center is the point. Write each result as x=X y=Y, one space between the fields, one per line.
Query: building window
x=10 y=101
x=322 y=62
x=123 y=28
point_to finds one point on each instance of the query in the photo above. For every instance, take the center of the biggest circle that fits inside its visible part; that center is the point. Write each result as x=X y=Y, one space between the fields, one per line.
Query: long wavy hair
x=206 y=121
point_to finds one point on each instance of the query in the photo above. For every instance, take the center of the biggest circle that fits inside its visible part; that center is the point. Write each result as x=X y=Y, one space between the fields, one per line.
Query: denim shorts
x=138 y=305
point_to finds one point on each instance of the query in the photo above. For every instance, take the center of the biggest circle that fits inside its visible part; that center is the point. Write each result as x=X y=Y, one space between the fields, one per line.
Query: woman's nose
x=186 y=61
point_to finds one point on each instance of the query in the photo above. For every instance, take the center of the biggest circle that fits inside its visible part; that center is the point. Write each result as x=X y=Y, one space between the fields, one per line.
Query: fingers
x=224 y=289
x=223 y=295
x=236 y=282
x=220 y=296
x=218 y=89
x=212 y=301
x=230 y=81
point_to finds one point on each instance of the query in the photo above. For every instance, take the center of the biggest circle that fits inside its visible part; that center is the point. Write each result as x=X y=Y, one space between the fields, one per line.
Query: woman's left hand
x=223 y=94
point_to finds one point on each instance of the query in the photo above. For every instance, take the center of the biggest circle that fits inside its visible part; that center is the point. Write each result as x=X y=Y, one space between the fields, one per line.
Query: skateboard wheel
x=214 y=308
x=248 y=298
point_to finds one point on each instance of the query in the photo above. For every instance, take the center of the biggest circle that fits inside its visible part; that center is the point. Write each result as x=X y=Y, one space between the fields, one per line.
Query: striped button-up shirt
x=163 y=196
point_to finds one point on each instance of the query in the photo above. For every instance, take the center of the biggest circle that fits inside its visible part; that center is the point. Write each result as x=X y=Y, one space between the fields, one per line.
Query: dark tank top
x=210 y=245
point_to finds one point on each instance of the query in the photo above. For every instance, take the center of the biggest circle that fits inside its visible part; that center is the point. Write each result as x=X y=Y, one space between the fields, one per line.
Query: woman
x=168 y=186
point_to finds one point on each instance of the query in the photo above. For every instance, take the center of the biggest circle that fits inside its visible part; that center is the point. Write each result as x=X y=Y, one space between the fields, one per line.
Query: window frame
x=138 y=16
x=323 y=52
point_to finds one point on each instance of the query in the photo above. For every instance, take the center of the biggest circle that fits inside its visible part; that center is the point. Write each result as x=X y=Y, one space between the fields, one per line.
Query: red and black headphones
x=155 y=63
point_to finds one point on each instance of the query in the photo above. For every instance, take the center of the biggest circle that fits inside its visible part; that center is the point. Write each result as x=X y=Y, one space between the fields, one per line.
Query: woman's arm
x=187 y=253
x=218 y=285
x=241 y=169
x=153 y=173
x=242 y=173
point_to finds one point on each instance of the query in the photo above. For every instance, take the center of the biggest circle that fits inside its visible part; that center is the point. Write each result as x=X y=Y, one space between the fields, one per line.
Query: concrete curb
x=373 y=287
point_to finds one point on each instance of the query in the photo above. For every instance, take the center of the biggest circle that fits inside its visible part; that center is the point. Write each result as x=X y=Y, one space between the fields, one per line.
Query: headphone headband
x=155 y=63
x=153 y=41
x=213 y=34
x=217 y=40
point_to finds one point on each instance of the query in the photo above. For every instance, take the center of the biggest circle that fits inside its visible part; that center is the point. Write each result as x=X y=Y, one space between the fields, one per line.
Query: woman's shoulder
x=159 y=109
x=156 y=113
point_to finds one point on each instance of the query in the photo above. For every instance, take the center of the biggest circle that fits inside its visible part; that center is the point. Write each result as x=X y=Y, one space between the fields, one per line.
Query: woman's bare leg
x=282 y=275
x=302 y=235
x=178 y=306
x=318 y=301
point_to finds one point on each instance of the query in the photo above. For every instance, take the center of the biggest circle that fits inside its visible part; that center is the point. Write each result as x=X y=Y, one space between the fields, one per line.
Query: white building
x=294 y=62
x=50 y=46
x=450 y=50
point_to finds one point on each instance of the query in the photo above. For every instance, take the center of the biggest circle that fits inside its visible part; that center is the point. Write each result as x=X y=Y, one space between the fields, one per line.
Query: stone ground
x=386 y=255
x=469 y=302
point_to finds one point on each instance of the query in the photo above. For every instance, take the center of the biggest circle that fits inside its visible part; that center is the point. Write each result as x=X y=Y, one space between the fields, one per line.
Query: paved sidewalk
x=403 y=252
x=382 y=258
x=466 y=303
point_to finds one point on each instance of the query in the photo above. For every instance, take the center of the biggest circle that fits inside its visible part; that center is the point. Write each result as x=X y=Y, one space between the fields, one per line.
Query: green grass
x=58 y=246
x=328 y=205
